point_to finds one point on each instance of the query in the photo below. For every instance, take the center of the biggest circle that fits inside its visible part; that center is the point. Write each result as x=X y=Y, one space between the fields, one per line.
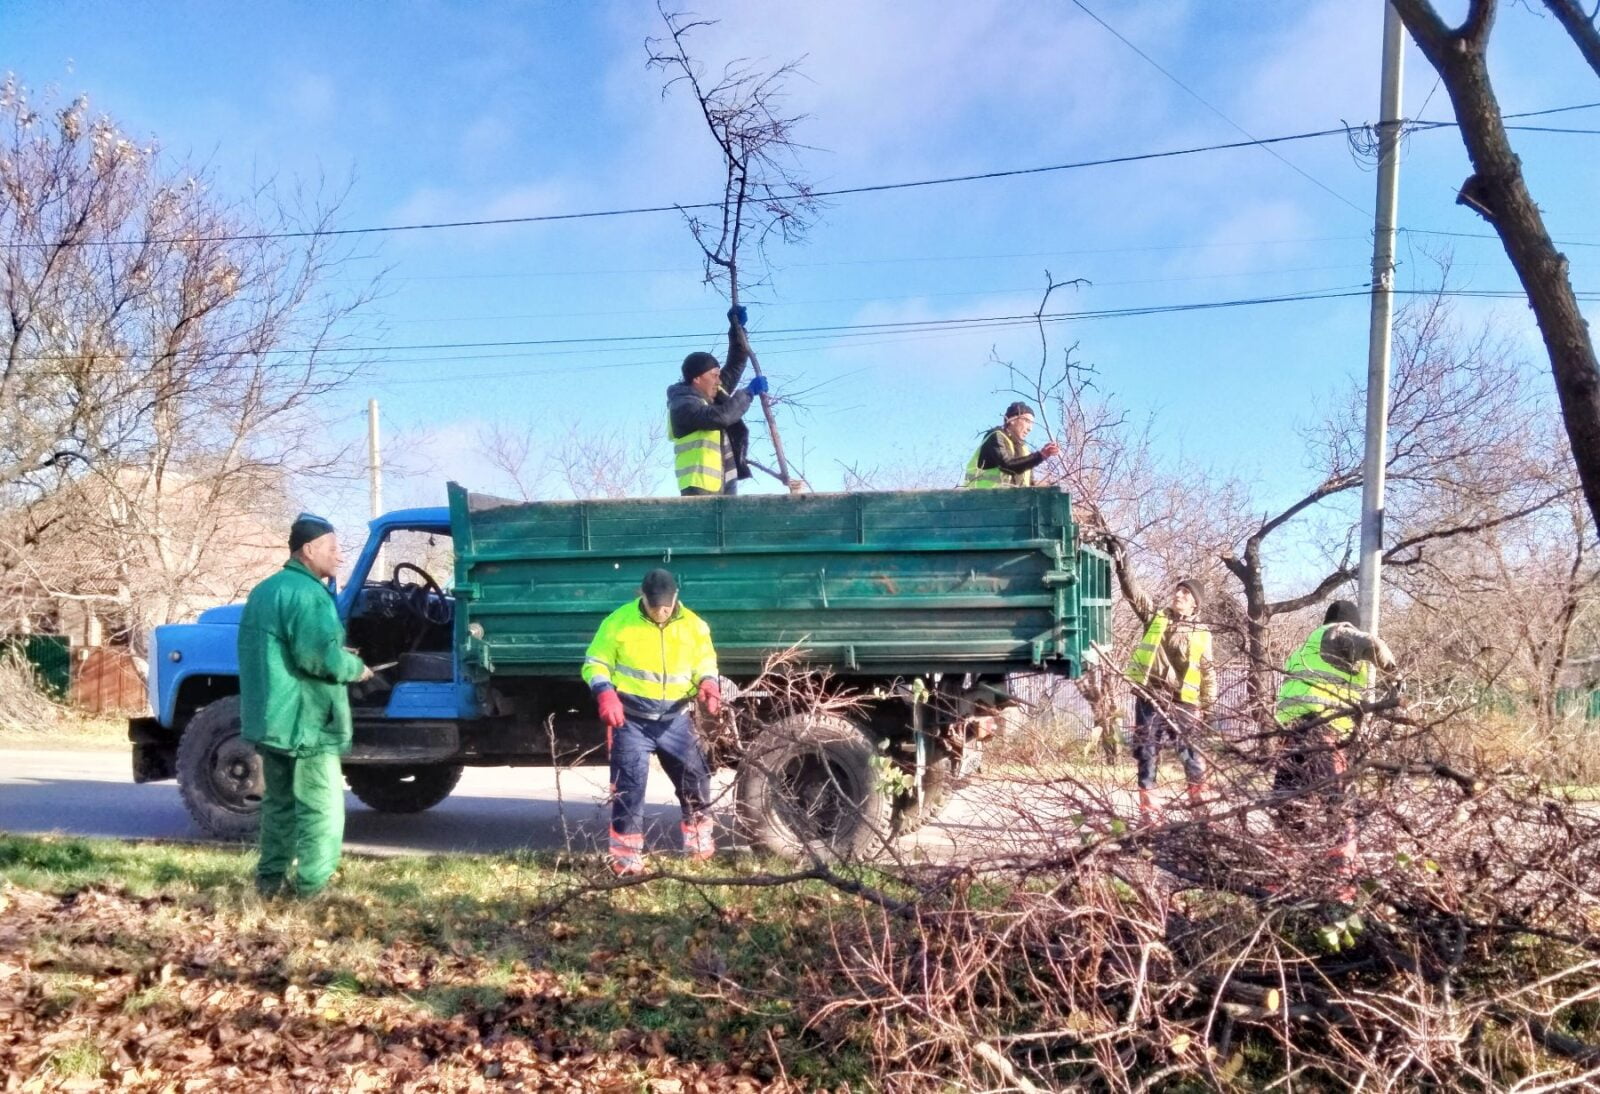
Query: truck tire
x=402 y=789
x=219 y=773
x=938 y=785
x=808 y=786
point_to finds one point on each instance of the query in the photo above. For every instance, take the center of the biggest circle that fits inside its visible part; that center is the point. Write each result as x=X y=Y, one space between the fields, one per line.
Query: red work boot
x=1197 y=796
x=1149 y=812
x=699 y=838
x=627 y=854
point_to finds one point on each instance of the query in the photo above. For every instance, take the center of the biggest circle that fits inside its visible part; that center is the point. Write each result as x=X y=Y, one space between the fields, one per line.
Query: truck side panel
x=915 y=582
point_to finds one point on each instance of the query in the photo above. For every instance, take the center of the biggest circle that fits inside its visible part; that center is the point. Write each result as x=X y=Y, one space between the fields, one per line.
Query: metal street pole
x=1379 y=332
x=374 y=461
x=375 y=477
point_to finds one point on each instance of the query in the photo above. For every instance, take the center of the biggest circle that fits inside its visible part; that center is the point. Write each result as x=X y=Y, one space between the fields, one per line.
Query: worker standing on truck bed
x=710 y=442
x=1004 y=458
x=1174 y=680
x=294 y=707
x=1318 y=704
x=649 y=661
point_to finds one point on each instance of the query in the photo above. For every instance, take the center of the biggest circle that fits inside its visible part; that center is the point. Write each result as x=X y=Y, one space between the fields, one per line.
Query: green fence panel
x=50 y=656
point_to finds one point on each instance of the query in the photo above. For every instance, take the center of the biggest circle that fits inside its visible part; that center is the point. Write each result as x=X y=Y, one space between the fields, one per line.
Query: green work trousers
x=302 y=821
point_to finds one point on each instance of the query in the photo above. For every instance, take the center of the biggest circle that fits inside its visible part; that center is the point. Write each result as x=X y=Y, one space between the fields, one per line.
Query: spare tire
x=219 y=772
x=402 y=789
x=808 y=787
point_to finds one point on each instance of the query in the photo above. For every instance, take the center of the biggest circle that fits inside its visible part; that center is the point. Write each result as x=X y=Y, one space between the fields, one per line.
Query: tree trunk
x=1499 y=193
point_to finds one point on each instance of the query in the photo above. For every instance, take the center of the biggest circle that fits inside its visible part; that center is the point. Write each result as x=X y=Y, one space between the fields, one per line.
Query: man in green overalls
x=294 y=707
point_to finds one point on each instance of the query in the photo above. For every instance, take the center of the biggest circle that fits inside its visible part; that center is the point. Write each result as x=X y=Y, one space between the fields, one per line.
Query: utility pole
x=1380 y=329
x=374 y=461
x=374 y=476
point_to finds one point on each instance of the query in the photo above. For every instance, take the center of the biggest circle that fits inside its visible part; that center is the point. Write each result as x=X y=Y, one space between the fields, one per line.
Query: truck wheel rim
x=815 y=798
x=236 y=775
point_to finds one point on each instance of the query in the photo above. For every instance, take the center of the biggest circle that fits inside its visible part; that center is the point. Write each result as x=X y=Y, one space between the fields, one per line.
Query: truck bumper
x=155 y=750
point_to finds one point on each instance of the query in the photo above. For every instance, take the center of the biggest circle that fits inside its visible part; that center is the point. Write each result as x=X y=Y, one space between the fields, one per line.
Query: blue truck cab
x=408 y=749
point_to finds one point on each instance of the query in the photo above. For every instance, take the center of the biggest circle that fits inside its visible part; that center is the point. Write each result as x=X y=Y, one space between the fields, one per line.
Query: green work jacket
x=293 y=666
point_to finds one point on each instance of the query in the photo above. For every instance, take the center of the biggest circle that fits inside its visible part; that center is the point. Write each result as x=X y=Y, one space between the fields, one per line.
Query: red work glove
x=611 y=715
x=711 y=696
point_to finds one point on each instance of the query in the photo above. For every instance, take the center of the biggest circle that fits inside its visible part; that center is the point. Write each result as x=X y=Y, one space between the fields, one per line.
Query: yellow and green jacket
x=656 y=668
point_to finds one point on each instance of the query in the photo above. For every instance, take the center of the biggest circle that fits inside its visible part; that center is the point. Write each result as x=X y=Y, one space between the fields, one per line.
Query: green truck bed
x=914 y=582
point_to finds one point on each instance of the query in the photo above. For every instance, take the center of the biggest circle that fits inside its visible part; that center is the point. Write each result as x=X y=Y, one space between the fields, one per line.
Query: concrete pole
x=374 y=460
x=1380 y=329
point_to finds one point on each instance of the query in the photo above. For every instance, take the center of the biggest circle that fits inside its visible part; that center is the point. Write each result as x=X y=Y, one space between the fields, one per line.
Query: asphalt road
x=492 y=809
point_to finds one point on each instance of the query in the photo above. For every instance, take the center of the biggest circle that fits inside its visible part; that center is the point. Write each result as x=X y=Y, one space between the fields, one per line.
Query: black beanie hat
x=307 y=527
x=1017 y=410
x=697 y=364
x=659 y=587
x=1196 y=589
x=1342 y=611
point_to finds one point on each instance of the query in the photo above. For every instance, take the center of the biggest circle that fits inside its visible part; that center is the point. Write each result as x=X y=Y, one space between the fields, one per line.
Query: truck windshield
x=433 y=552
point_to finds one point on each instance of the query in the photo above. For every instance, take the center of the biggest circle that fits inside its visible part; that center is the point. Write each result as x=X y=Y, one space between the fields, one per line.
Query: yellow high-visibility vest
x=1144 y=656
x=1314 y=687
x=697 y=459
x=987 y=478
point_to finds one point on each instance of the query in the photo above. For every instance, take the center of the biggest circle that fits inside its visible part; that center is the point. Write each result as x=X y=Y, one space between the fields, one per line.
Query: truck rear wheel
x=219 y=773
x=808 y=785
x=402 y=789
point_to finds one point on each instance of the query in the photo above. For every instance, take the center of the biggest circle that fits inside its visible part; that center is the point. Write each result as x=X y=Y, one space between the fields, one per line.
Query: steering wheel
x=425 y=601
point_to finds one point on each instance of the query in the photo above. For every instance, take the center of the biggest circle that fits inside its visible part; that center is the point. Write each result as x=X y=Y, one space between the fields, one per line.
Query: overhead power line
x=807 y=333
x=1197 y=97
x=640 y=210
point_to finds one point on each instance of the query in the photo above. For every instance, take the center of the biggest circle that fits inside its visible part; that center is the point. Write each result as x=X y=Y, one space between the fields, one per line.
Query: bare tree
x=581 y=463
x=763 y=193
x=1499 y=193
x=165 y=351
x=1459 y=465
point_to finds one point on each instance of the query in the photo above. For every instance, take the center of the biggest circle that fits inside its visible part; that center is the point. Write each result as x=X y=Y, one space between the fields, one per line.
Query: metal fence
x=49 y=655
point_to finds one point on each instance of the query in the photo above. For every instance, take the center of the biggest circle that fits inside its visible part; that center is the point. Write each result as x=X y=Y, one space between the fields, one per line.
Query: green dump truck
x=865 y=641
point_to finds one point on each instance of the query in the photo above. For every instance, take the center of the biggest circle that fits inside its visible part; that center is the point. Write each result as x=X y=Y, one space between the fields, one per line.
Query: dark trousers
x=674 y=743
x=1309 y=786
x=728 y=488
x=1164 y=723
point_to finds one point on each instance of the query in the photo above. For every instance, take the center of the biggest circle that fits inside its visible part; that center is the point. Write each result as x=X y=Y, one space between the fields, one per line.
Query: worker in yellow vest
x=1324 y=682
x=1004 y=458
x=650 y=662
x=1173 y=673
x=705 y=417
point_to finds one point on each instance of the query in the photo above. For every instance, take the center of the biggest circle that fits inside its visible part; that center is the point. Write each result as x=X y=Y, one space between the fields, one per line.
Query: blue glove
x=758 y=387
x=738 y=315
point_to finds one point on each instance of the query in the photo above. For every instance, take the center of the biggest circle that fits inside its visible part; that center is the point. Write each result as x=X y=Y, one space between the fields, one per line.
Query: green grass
x=705 y=974
x=78 y=1060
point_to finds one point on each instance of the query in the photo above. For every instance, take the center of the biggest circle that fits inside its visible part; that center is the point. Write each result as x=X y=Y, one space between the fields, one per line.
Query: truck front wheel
x=402 y=789
x=219 y=773
x=809 y=785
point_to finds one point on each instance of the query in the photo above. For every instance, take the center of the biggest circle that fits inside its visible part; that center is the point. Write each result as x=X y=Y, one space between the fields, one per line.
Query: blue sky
x=450 y=111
